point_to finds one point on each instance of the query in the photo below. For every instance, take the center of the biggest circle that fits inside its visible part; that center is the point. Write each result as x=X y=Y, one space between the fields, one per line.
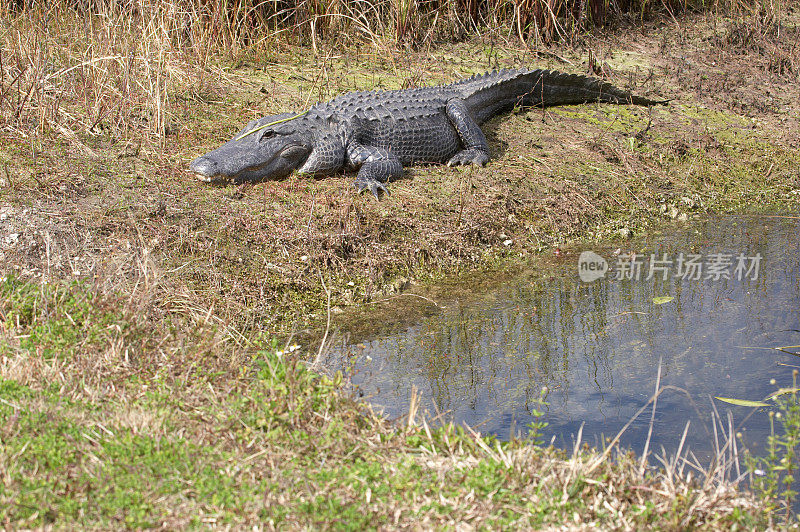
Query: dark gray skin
x=378 y=133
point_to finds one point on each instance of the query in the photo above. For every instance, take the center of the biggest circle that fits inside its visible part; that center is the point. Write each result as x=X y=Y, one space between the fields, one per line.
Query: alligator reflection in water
x=596 y=346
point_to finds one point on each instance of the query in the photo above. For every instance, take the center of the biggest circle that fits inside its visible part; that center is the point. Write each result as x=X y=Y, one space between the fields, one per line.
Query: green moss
x=611 y=118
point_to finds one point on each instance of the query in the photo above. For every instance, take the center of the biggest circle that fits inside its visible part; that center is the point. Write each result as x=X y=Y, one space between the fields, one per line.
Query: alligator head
x=257 y=153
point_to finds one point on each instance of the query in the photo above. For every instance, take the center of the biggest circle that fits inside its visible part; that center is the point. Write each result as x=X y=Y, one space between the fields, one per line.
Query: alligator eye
x=267 y=134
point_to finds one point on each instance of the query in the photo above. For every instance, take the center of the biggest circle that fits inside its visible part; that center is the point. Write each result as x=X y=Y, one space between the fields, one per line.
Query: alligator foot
x=373 y=185
x=469 y=156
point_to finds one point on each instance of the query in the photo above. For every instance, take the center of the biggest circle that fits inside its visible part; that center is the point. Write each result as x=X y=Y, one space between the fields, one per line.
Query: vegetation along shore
x=149 y=374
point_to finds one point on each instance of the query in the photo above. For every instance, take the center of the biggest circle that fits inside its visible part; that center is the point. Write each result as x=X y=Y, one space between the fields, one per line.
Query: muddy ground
x=127 y=215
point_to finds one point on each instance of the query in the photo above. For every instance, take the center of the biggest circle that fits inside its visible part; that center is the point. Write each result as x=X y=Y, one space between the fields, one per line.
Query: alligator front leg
x=476 y=149
x=373 y=175
x=377 y=167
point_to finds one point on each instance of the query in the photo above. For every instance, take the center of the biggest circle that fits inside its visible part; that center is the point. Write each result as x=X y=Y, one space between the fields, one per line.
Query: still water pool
x=709 y=302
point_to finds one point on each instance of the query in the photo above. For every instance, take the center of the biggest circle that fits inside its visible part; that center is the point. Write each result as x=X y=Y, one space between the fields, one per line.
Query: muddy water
x=593 y=349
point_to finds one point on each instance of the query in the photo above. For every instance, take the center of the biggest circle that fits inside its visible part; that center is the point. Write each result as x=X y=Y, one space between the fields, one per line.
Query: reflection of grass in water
x=500 y=350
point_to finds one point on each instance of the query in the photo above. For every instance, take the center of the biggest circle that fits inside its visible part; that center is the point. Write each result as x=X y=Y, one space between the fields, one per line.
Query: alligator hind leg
x=476 y=149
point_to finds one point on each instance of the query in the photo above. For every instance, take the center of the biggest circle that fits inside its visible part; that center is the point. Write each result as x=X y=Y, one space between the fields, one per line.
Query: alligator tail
x=556 y=88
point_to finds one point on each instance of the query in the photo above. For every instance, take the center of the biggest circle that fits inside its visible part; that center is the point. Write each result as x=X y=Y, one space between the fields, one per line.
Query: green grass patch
x=66 y=466
x=55 y=319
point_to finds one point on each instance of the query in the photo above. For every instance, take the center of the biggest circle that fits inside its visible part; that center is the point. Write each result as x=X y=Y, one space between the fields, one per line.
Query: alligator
x=379 y=132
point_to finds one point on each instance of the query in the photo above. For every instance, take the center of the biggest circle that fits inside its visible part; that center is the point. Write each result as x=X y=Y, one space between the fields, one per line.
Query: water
x=595 y=348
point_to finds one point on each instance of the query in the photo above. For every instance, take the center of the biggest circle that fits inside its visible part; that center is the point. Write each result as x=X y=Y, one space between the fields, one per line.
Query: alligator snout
x=204 y=168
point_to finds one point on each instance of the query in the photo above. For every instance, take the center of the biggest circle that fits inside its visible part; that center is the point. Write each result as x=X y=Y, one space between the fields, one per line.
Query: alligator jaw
x=216 y=167
x=205 y=170
x=214 y=179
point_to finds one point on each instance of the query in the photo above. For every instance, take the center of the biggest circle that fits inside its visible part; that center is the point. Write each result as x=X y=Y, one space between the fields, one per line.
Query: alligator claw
x=374 y=186
x=469 y=156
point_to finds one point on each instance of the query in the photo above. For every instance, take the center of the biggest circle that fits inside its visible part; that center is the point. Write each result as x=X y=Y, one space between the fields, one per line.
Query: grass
x=279 y=444
x=773 y=475
x=138 y=309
